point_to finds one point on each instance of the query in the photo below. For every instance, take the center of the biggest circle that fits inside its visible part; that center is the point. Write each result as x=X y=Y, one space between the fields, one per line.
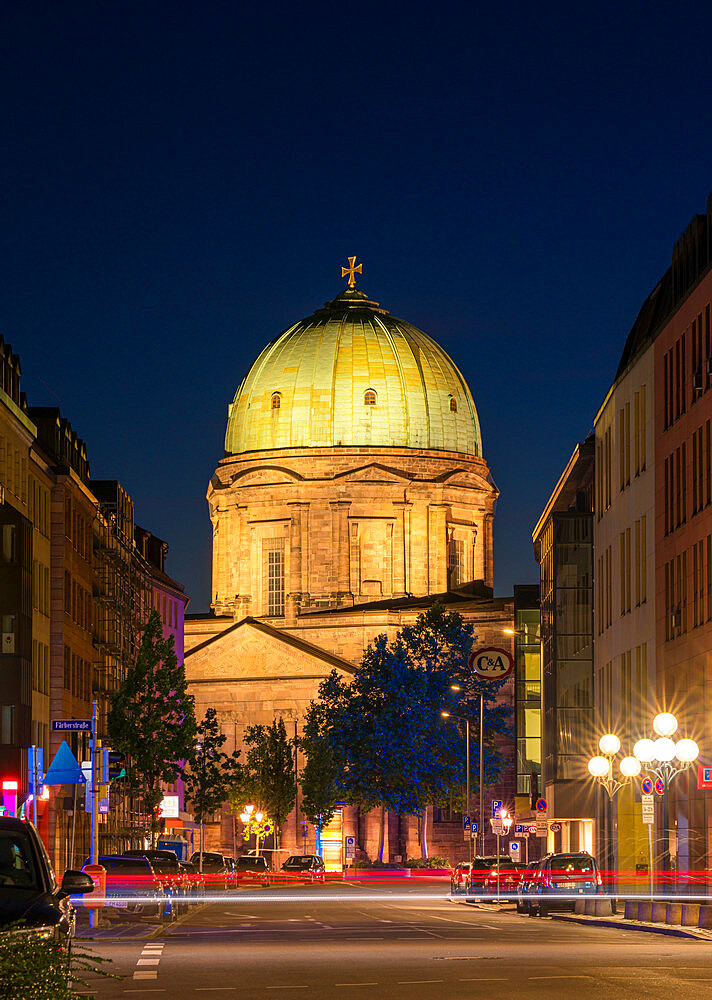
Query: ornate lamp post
x=501 y=825
x=463 y=718
x=665 y=759
x=247 y=817
x=600 y=768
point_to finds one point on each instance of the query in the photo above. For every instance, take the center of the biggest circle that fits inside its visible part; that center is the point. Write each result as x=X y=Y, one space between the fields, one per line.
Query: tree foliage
x=320 y=778
x=211 y=772
x=152 y=718
x=267 y=776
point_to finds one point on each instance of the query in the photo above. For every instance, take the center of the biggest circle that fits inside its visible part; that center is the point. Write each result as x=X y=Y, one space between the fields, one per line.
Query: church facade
x=352 y=494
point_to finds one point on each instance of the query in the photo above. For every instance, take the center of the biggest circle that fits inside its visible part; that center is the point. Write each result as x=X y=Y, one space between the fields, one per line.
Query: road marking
x=417 y=982
x=355 y=984
x=286 y=987
x=491 y=979
x=205 y=989
x=146 y=975
x=565 y=976
x=148 y=961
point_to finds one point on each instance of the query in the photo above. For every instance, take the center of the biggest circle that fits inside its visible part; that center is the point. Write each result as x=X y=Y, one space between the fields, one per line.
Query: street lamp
x=665 y=759
x=600 y=768
x=247 y=816
x=449 y=715
x=501 y=824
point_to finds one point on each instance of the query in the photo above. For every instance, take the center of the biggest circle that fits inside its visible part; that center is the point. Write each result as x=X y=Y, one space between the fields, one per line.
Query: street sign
x=542 y=828
x=647 y=786
x=648 y=806
x=491 y=662
x=71 y=725
x=64 y=769
x=514 y=849
x=473 y=832
x=497 y=826
x=35 y=763
x=466 y=824
x=351 y=848
x=496 y=806
x=555 y=827
x=704 y=777
x=660 y=786
x=541 y=805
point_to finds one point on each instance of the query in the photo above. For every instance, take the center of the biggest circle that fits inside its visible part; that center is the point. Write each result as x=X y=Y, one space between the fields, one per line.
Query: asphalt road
x=400 y=945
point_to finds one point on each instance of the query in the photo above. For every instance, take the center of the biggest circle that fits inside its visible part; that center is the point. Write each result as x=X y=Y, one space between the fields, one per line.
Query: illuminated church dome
x=353 y=375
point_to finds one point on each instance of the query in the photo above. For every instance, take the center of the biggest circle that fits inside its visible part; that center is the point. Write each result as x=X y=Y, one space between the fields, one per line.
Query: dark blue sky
x=182 y=181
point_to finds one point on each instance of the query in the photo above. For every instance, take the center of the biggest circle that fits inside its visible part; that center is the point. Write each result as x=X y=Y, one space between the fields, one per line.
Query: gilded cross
x=351 y=270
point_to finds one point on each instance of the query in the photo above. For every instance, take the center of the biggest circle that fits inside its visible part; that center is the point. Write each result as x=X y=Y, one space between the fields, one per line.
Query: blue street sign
x=541 y=805
x=39 y=765
x=496 y=806
x=64 y=769
x=71 y=725
x=647 y=786
x=660 y=786
x=466 y=823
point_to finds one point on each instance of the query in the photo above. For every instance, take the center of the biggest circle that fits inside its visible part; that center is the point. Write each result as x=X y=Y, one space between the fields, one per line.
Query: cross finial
x=351 y=270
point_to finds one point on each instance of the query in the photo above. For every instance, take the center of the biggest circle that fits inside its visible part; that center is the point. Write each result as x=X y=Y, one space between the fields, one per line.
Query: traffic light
x=117 y=765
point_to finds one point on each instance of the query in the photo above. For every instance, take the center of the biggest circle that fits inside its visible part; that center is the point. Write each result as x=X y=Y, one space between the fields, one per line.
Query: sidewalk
x=672 y=930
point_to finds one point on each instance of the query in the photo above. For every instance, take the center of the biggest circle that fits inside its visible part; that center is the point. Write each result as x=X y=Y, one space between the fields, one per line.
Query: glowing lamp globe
x=686 y=751
x=244 y=817
x=665 y=724
x=630 y=767
x=598 y=767
x=644 y=750
x=664 y=749
x=258 y=817
x=609 y=744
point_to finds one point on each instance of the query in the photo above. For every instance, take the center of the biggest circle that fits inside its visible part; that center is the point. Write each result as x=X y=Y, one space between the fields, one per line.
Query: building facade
x=353 y=494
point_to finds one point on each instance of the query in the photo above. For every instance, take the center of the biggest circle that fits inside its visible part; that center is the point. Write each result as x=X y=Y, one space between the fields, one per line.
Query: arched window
x=369 y=398
x=276 y=400
x=453 y=404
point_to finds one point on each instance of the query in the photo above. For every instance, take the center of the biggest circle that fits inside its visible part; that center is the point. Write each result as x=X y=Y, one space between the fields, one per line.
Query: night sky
x=180 y=182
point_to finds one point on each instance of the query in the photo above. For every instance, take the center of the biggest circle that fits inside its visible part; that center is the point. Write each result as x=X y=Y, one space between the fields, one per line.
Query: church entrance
x=332 y=843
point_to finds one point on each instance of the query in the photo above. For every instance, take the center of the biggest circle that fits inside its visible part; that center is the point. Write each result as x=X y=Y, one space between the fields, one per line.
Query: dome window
x=453 y=404
x=276 y=400
x=369 y=397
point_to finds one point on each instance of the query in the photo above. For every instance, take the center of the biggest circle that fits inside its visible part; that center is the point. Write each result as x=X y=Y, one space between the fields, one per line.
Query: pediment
x=468 y=480
x=374 y=473
x=252 y=649
x=265 y=475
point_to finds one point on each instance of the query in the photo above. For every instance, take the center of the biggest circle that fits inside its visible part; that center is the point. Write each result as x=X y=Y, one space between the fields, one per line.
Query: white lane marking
x=355 y=984
x=565 y=976
x=146 y=975
x=148 y=961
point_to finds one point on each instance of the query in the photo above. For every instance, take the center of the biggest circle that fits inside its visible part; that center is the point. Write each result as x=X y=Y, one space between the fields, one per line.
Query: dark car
x=510 y=875
x=132 y=886
x=173 y=879
x=216 y=871
x=28 y=889
x=524 y=886
x=559 y=879
x=458 y=876
x=305 y=866
x=481 y=867
x=251 y=869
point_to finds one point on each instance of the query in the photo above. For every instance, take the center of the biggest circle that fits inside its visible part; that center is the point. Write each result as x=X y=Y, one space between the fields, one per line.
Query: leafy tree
x=320 y=777
x=152 y=719
x=211 y=772
x=267 y=776
x=387 y=734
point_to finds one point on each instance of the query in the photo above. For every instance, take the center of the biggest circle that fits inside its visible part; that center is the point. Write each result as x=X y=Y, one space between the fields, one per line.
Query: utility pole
x=94 y=839
x=482 y=772
x=467 y=792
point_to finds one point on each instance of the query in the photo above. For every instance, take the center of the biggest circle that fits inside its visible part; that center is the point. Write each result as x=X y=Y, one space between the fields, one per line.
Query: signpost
x=514 y=850
x=542 y=828
x=71 y=725
x=541 y=806
x=647 y=786
x=350 y=848
x=466 y=827
x=496 y=806
x=648 y=806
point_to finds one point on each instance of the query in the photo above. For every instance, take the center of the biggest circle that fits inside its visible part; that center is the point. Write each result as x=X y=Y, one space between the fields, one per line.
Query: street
x=404 y=944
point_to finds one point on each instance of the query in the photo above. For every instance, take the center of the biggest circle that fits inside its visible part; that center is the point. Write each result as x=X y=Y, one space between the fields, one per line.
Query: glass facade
x=567 y=641
x=527 y=653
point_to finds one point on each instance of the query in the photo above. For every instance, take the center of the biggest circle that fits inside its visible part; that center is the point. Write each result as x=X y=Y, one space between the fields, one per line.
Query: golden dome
x=353 y=375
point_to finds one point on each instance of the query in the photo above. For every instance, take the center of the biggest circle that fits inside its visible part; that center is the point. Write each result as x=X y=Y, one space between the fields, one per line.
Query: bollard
x=673 y=913
x=603 y=907
x=690 y=914
x=645 y=911
x=705 y=920
x=631 y=910
x=590 y=908
x=659 y=913
x=580 y=906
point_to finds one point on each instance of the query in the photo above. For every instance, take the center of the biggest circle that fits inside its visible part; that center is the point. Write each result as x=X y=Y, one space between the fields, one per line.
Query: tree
x=320 y=777
x=388 y=738
x=152 y=719
x=267 y=776
x=211 y=772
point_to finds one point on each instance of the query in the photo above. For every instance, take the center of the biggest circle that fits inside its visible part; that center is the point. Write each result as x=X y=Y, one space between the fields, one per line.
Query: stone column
x=340 y=549
x=487 y=544
x=437 y=546
x=243 y=596
x=298 y=557
x=400 y=548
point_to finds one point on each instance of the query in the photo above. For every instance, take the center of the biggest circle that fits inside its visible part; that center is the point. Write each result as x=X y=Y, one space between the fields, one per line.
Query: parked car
x=458 y=876
x=132 y=885
x=250 y=869
x=173 y=879
x=305 y=866
x=559 y=878
x=524 y=885
x=475 y=878
x=510 y=875
x=216 y=871
x=28 y=888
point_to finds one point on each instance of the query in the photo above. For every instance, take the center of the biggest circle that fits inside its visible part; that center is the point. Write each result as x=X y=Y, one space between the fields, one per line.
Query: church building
x=353 y=493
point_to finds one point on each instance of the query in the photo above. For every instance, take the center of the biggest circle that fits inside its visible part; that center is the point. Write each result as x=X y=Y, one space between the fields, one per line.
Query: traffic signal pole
x=94 y=842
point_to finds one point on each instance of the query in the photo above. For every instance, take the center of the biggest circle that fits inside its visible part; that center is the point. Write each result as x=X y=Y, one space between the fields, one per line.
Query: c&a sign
x=704 y=776
x=491 y=662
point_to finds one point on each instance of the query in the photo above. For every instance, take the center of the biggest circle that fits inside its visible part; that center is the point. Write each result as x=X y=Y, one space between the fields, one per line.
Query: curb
x=634 y=925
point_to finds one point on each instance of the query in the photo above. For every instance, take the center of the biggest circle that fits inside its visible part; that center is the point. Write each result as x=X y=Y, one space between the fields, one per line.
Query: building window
x=453 y=404
x=369 y=398
x=7 y=724
x=9 y=543
x=456 y=562
x=276 y=401
x=9 y=630
x=273 y=557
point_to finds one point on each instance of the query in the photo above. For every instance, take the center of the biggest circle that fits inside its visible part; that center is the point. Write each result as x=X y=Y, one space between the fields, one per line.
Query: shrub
x=33 y=967
x=434 y=862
